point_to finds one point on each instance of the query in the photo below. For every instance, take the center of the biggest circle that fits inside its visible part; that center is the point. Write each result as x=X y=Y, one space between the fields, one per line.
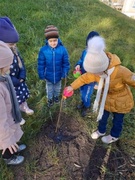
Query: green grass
x=74 y=19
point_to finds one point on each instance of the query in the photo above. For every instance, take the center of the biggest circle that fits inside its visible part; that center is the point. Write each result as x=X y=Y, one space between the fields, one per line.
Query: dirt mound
x=70 y=154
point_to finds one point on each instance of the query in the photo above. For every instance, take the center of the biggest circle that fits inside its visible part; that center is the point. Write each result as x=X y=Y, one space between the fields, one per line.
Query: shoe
x=22 y=122
x=24 y=108
x=96 y=134
x=84 y=111
x=56 y=100
x=21 y=148
x=50 y=103
x=80 y=106
x=109 y=139
x=15 y=160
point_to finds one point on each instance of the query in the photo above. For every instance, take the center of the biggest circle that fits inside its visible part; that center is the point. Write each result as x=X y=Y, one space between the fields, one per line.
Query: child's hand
x=21 y=80
x=77 y=68
x=13 y=148
x=68 y=91
x=96 y=86
x=77 y=73
x=69 y=88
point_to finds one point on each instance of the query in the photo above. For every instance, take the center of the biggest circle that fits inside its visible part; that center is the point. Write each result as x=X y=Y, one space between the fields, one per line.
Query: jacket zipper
x=54 y=63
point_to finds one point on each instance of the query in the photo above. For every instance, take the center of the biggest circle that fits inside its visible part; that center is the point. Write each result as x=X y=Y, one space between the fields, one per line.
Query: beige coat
x=119 y=98
x=10 y=132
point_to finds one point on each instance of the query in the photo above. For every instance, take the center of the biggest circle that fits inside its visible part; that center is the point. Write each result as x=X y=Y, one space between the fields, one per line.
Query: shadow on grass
x=108 y=162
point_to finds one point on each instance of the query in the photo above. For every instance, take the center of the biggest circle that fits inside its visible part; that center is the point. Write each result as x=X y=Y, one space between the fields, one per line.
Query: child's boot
x=24 y=108
x=22 y=122
x=109 y=139
x=96 y=134
x=21 y=148
x=14 y=160
x=50 y=103
x=84 y=111
x=80 y=106
x=56 y=99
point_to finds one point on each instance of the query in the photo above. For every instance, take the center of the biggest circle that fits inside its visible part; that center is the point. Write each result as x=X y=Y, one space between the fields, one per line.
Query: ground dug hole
x=71 y=154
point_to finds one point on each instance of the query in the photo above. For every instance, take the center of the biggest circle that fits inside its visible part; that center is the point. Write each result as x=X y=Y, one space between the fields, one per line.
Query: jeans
x=86 y=92
x=117 y=123
x=53 y=90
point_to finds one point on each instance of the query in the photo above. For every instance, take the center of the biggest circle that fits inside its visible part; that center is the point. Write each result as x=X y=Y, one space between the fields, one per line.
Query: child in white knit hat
x=10 y=116
x=113 y=94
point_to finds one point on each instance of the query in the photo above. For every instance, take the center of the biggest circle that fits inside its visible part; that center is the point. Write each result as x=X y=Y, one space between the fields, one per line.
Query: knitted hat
x=6 y=55
x=51 y=32
x=91 y=35
x=96 y=60
x=8 y=33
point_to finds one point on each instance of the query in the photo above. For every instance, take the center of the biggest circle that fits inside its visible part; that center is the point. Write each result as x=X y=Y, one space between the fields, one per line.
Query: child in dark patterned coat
x=10 y=36
x=18 y=76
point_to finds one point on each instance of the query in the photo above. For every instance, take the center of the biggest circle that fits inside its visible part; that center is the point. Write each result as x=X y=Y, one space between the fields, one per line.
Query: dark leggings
x=7 y=154
x=117 y=123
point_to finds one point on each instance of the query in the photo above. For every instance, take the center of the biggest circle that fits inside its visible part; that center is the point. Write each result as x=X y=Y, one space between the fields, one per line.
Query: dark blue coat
x=53 y=63
x=87 y=89
x=16 y=74
x=81 y=60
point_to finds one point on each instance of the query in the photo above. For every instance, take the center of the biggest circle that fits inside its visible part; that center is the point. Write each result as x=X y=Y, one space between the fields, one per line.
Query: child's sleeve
x=15 y=81
x=65 y=64
x=6 y=133
x=41 y=65
x=128 y=77
x=84 y=79
x=22 y=74
x=80 y=61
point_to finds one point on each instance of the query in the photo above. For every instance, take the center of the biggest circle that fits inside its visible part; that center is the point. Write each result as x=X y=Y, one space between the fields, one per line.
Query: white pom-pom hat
x=96 y=60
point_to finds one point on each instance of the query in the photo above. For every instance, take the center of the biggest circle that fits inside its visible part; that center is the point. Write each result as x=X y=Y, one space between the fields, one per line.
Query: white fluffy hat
x=96 y=60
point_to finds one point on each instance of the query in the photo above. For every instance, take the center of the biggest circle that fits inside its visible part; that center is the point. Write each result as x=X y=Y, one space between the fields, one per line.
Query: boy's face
x=53 y=42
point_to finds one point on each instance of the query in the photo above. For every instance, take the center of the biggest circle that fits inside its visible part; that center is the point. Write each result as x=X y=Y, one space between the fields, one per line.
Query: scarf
x=15 y=105
x=106 y=78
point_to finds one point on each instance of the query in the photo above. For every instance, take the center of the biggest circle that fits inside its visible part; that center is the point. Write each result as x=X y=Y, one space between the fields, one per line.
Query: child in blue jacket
x=86 y=90
x=53 y=64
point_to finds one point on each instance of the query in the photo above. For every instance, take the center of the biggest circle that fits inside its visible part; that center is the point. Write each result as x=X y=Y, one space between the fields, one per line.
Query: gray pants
x=53 y=90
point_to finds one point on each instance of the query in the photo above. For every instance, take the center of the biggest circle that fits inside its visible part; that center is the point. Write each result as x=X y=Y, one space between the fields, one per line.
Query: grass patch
x=74 y=19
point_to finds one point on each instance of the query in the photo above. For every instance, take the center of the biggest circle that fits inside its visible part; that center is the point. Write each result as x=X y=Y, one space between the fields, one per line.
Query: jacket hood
x=114 y=60
x=59 y=42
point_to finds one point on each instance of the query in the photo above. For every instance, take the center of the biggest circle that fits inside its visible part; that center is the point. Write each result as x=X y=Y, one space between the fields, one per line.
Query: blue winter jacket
x=81 y=60
x=53 y=63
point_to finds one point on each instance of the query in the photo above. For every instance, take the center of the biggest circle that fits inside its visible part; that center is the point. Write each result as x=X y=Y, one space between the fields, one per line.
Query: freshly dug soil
x=71 y=154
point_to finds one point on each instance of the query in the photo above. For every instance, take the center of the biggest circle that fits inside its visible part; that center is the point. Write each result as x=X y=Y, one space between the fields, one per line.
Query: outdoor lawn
x=77 y=156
